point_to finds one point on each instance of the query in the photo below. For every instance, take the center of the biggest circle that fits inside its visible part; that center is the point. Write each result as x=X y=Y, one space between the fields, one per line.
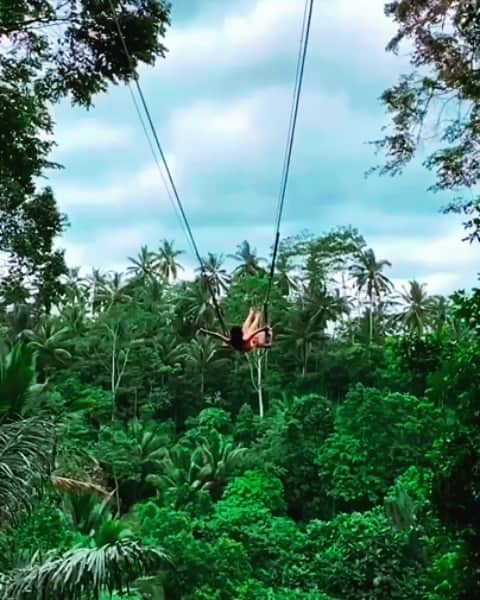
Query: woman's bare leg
x=247 y=324
x=255 y=324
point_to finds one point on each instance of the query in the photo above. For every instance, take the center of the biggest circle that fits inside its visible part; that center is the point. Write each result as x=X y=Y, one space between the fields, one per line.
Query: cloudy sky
x=221 y=101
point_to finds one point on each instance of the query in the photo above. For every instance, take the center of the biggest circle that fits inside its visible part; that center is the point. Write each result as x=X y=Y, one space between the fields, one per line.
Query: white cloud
x=428 y=252
x=218 y=135
x=239 y=39
x=109 y=249
x=93 y=135
x=257 y=32
x=142 y=187
x=210 y=138
x=439 y=259
x=436 y=283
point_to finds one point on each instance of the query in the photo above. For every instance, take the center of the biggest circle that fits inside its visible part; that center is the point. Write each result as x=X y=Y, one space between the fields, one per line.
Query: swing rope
x=173 y=187
x=307 y=20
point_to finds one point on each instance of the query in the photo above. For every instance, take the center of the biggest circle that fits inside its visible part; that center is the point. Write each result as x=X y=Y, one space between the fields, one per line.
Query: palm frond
x=73 y=486
x=86 y=572
x=25 y=458
x=17 y=375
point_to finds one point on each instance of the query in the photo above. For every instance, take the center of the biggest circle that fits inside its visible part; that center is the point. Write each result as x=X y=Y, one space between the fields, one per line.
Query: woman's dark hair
x=236 y=337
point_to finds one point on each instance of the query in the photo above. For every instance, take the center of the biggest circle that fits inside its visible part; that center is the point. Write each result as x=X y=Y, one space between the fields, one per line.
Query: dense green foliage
x=359 y=481
x=437 y=104
x=141 y=460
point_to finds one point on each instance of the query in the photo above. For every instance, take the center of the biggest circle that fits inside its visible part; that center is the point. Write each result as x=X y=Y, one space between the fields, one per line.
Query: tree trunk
x=370 y=316
x=114 y=351
x=117 y=492
x=135 y=404
x=306 y=356
x=259 y=385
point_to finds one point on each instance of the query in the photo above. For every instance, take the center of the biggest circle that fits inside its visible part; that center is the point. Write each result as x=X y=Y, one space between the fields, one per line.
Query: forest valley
x=141 y=460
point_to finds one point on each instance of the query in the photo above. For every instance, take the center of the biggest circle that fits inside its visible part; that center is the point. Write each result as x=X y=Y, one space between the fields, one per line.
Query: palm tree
x=322 y=307
x=419 y=309
x=18 y=381
x=113 y=560
x=441 y=318
x=26 y=444
x=113 y=290
x=149 y=448
x=74 y=281
x=248 y=259
x=220 y=458
x=86 y=512
x=17 y=318
x=300 y=337
x=73 y=316
x=217 y=275
x=195 y=305
x=286 y=283
x=369 y=276
x=206 y=466
x=25 y=459
x=167 y=261
x=96 y=282
x=179 y=479
x=171 y=354
x=201 y=354
x=51 y=341
x=143 y=265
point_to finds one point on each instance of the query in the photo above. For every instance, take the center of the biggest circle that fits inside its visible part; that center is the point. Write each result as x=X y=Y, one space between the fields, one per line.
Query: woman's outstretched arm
x=219 y=336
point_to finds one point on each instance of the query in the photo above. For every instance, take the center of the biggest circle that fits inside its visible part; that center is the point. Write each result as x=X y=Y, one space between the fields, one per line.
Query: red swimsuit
x=250 y=345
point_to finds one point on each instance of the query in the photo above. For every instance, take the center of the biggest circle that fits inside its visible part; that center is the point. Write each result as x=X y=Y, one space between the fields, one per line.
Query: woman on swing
x=252 y=335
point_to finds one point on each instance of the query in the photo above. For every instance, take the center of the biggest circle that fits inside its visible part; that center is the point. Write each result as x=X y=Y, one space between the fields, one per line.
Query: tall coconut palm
x=17 y=318
x=322 y=307
x=300 y=337
x=195 y=305
x=143 y=265
x=96 y=282
x=171 y=354
x=287 y=282
x=113 y=290
x=168 y=265
x=51 y=341
x=441 y=317
x=74 y=318
x=75 y=285
x=369 y=277
x=201 y=354
x=152 y=295
x=418 y=308
x=216 y=273
x=250 y=262
x=74 y=279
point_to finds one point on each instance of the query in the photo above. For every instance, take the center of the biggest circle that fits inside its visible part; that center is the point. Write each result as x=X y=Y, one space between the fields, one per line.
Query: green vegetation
x=160 y=476
x=141 y=461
